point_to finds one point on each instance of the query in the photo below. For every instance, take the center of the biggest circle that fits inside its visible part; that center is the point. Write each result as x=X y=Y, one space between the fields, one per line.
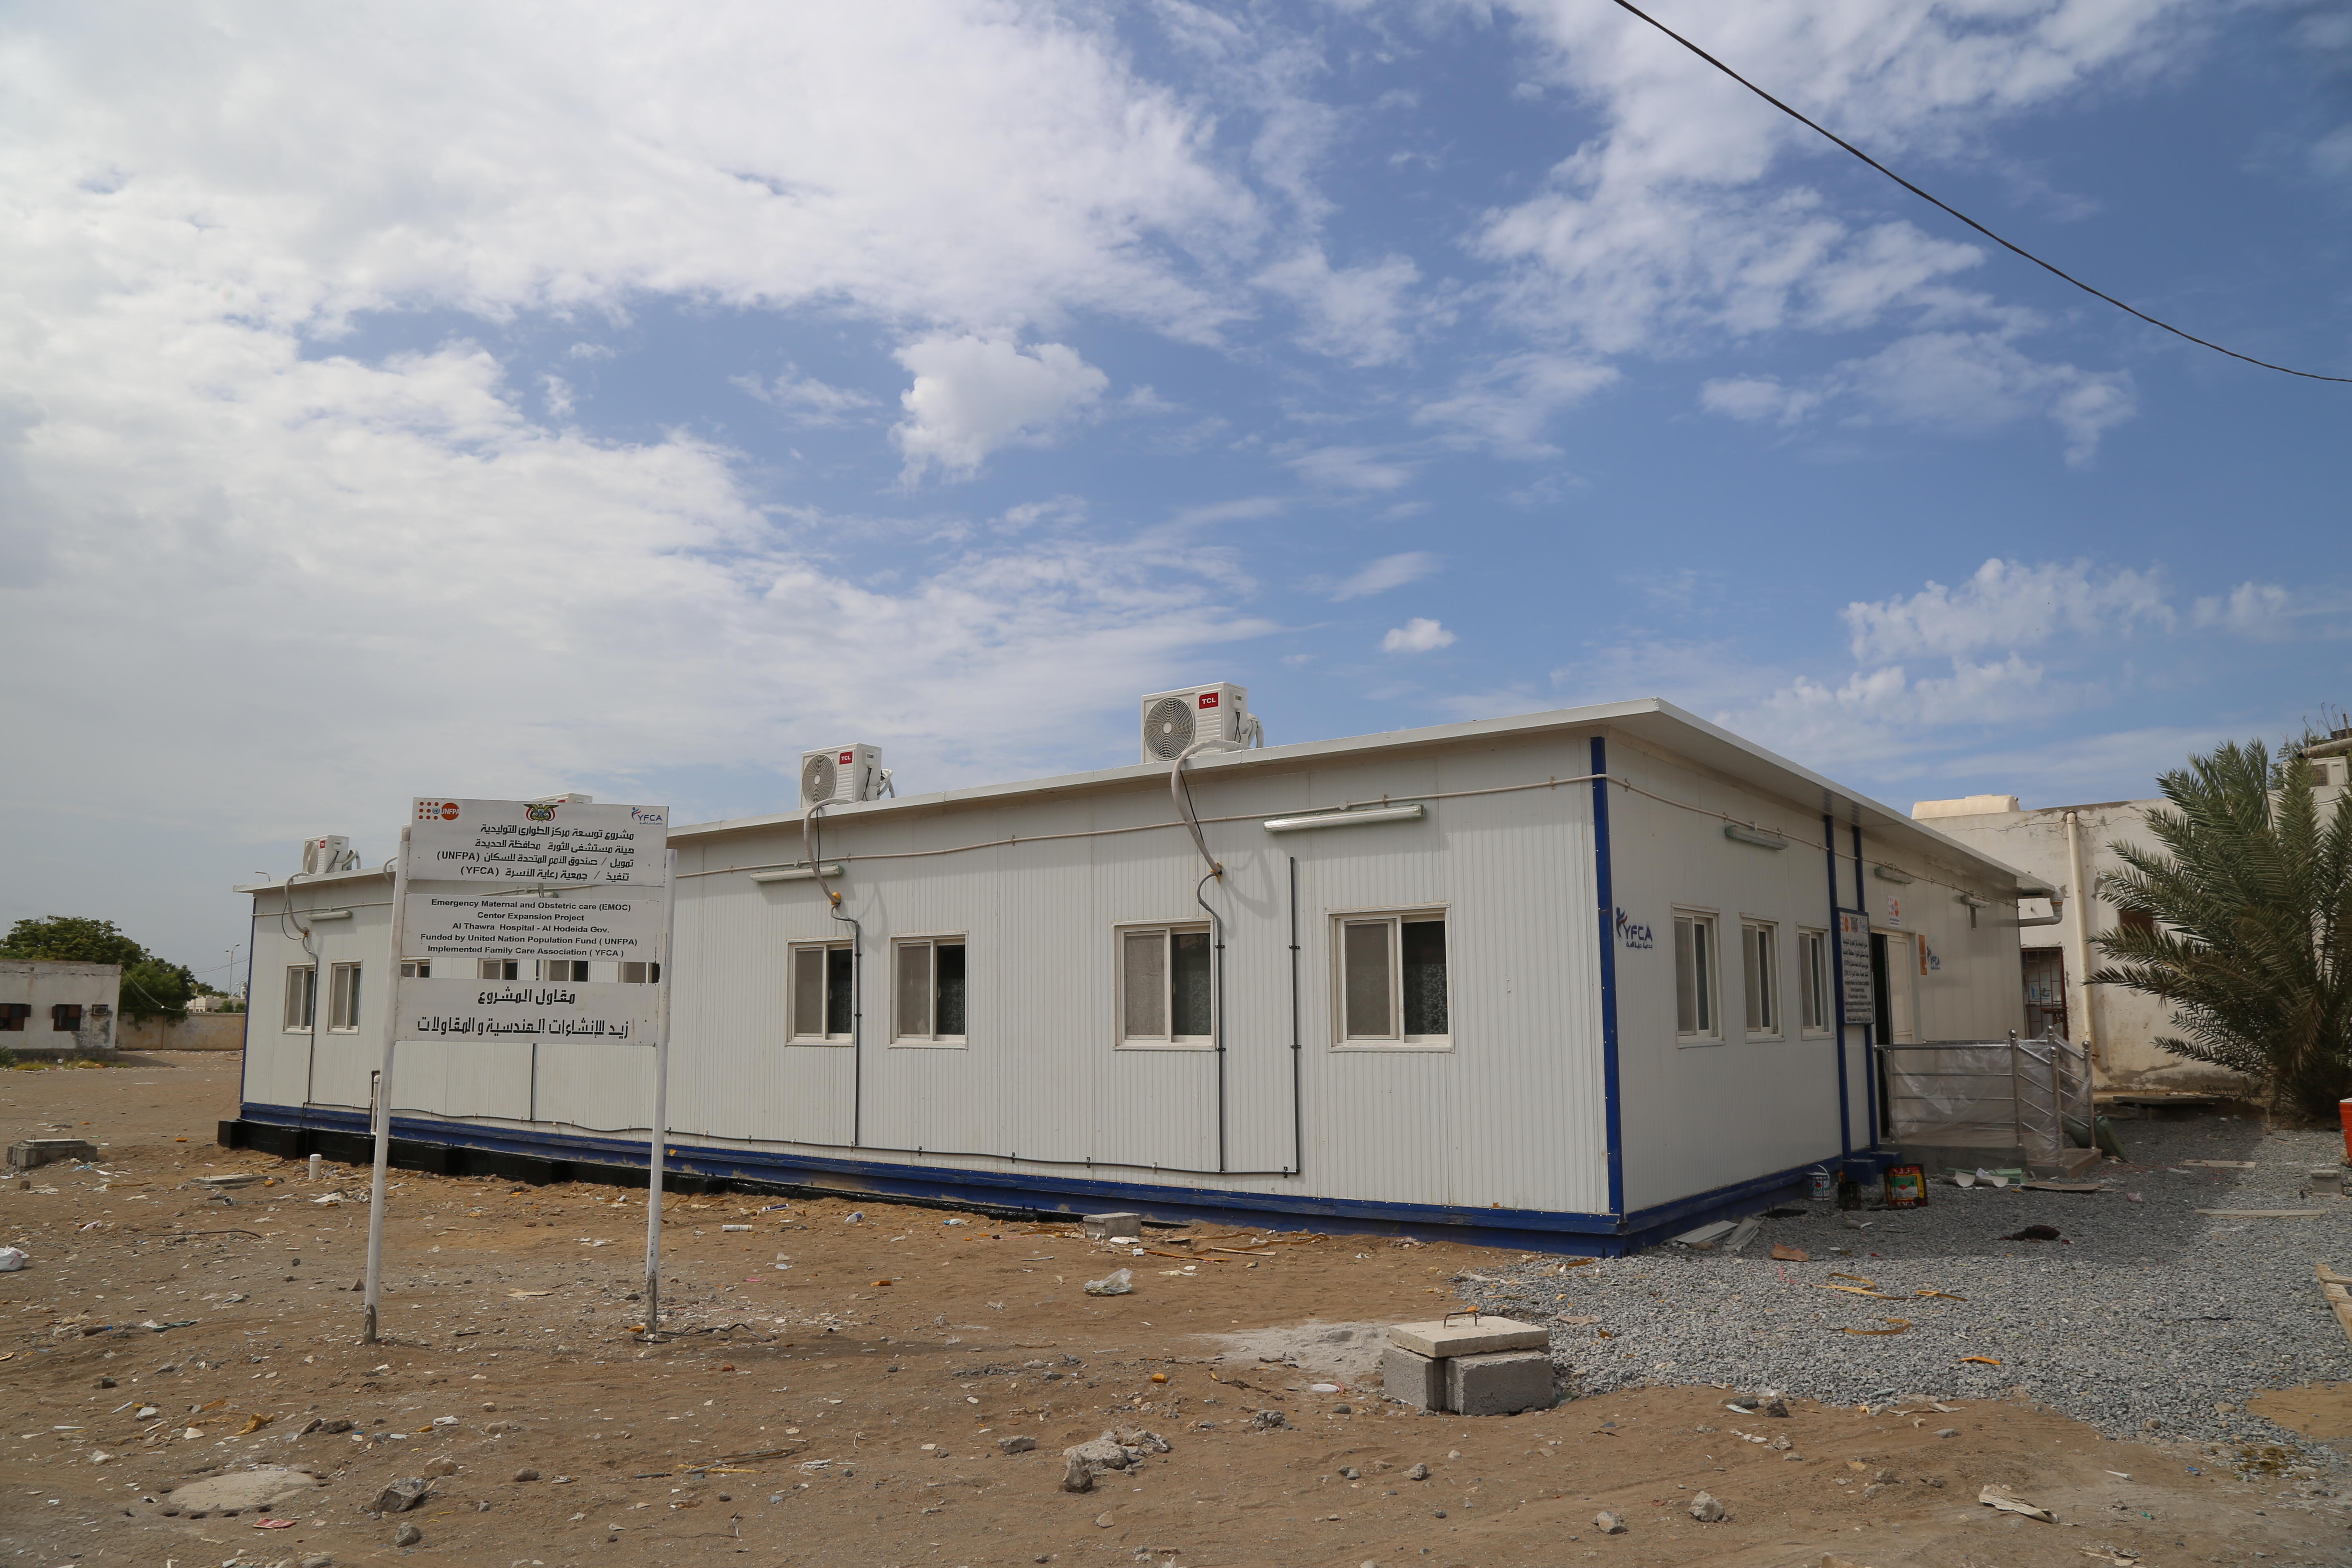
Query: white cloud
x=366 y=156
x=1966 y=382
x=1676 y=222
x=805 y=400
x=1505 y=407
x=1977 y=381
x=1353 y=313
x=2251 y=609
x=1757 y=400
x=1418 y=635
x=1387 y=572
x=2009 y=604
x=973 y=395
x=1350 y=469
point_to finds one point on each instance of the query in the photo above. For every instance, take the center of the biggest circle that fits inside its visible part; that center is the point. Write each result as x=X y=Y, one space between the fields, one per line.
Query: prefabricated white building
x=1571 y=976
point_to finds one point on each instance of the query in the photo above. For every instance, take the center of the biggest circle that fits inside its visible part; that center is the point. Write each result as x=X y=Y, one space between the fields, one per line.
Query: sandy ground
x=849 y=1408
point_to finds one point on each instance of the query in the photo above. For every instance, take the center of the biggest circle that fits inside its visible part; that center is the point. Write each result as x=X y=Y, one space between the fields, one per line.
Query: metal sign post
x=383 y=1106
x=656 y=1155
x=511 y=905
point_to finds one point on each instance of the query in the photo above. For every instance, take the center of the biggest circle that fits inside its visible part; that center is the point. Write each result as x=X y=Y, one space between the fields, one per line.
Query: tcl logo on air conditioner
x=847 y=758
x=1208 y=700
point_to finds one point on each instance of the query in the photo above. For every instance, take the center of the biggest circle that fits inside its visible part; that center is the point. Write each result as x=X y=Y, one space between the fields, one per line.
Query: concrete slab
x=1412 y=1379
x=1466 y=1335
x=31 y=1153
x=1499 y=1382
x=1114 y=1227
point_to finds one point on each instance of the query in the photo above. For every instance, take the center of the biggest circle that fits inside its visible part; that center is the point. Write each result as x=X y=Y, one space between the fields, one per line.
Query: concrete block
x=1499 y=1382
x=1466 y=1335
x=1412 y=1378
x=31 y=1153
x=1114 y=1227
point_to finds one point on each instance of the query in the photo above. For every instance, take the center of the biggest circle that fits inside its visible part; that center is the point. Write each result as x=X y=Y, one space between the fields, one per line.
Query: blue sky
x=485 y=399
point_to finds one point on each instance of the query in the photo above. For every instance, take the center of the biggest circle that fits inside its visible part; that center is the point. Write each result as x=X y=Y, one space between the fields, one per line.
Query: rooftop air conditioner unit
x=1175 y=719
x=842 y=775
x=331 y=853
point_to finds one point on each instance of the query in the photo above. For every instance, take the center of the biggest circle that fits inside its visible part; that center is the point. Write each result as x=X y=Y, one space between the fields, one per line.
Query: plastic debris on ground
x=1118 y=1283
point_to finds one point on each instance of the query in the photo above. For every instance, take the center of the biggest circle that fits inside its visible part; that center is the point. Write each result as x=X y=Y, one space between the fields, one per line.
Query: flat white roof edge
x=1783 y=776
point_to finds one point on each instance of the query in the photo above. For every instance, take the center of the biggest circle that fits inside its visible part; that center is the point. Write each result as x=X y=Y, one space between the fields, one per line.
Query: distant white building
x=48 y=1005
x=1573 y=978
x=2070 y=848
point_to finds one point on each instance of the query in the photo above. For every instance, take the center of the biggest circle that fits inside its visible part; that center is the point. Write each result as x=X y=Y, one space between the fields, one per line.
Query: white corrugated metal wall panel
x=1514 y=1120
x=1700 y=1116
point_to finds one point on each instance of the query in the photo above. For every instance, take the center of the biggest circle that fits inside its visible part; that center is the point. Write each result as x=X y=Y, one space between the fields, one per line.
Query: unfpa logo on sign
x=437 y=811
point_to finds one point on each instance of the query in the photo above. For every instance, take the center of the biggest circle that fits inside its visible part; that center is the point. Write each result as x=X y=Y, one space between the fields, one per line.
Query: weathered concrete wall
x=42 y=985
x=196 y=1032
x=2124 y=1023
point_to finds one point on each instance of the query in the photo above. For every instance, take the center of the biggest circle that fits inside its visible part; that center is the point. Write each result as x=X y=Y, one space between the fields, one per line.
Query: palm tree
x=2252 y=903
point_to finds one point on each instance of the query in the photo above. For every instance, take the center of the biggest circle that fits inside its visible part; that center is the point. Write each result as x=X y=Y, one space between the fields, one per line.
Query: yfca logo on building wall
x=1632 y=933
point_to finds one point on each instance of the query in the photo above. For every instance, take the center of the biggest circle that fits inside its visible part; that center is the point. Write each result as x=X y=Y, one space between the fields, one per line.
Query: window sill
x=1695 y=1042
x=1391 y=1048
x=1183 y=1045
x=956 y=1044
x=835 y=1040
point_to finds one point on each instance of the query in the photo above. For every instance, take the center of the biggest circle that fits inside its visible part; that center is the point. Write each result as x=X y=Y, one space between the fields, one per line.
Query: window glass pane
x=300 y=986
x=344 y=1012
x=914 y=990
x=1143 y=986
x=1364 y=985
x=1189 y=985
x=1703 y=973
x=839 y=990
x=1685 y=978
x=1422 y=946
x=808 y=992
x=948 y=958
x=1751 y=954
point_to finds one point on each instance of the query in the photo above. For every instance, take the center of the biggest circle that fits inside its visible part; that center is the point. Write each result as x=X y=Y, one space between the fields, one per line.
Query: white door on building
x=1902 y=987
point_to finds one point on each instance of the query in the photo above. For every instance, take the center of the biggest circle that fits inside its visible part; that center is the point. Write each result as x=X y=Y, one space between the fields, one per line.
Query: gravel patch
x=2149 y=1319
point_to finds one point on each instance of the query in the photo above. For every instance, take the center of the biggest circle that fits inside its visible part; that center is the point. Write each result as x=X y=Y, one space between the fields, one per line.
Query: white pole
x=655 y=1153
x=383 y=1097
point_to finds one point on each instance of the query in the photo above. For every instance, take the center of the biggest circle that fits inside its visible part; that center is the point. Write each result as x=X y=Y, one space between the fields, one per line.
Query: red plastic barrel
x=2344 y=1113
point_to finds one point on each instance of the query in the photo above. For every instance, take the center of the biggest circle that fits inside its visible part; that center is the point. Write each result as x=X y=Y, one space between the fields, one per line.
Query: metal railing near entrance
x=2032 y=1095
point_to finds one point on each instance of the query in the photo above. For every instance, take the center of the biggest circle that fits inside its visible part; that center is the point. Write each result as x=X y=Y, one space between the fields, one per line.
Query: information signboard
x=1858 y=993
x=536 y=919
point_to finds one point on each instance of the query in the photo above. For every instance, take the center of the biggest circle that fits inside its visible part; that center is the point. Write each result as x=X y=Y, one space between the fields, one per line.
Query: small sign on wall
x=1634 y=934
x=1857 y=996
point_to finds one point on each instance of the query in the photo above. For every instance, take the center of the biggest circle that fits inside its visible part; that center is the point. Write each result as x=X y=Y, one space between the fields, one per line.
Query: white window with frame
x=564 y=971
x=1391 y=980
x=302 y=995
x=416 y=969
x=497 y=969
x=822 y=983
x=343 y=997
x=926 y=991
x=636 y=973
x=1166 y=989
x=1813 y=981
x=1760 y=973
x=1696 y=983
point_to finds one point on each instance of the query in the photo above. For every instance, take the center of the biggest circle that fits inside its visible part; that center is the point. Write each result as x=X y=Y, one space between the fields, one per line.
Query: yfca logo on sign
x=1632 y=933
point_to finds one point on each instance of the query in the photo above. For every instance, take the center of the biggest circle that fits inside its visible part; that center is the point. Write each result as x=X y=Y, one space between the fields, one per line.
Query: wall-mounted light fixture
x=315 y=916
x=1412 y=813
x=1888 y=874
x=793 y=874
x=1755 y=836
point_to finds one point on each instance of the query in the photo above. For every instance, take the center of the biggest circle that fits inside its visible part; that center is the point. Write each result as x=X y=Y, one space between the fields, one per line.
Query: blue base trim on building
x=429 y=1144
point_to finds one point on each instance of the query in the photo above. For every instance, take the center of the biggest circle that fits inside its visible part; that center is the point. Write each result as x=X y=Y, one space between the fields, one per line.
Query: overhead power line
x=1923 y=196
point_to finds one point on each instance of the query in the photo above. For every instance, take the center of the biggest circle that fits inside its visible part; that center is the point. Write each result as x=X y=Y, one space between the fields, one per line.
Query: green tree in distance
x=2252 y=894
x=152 y=987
